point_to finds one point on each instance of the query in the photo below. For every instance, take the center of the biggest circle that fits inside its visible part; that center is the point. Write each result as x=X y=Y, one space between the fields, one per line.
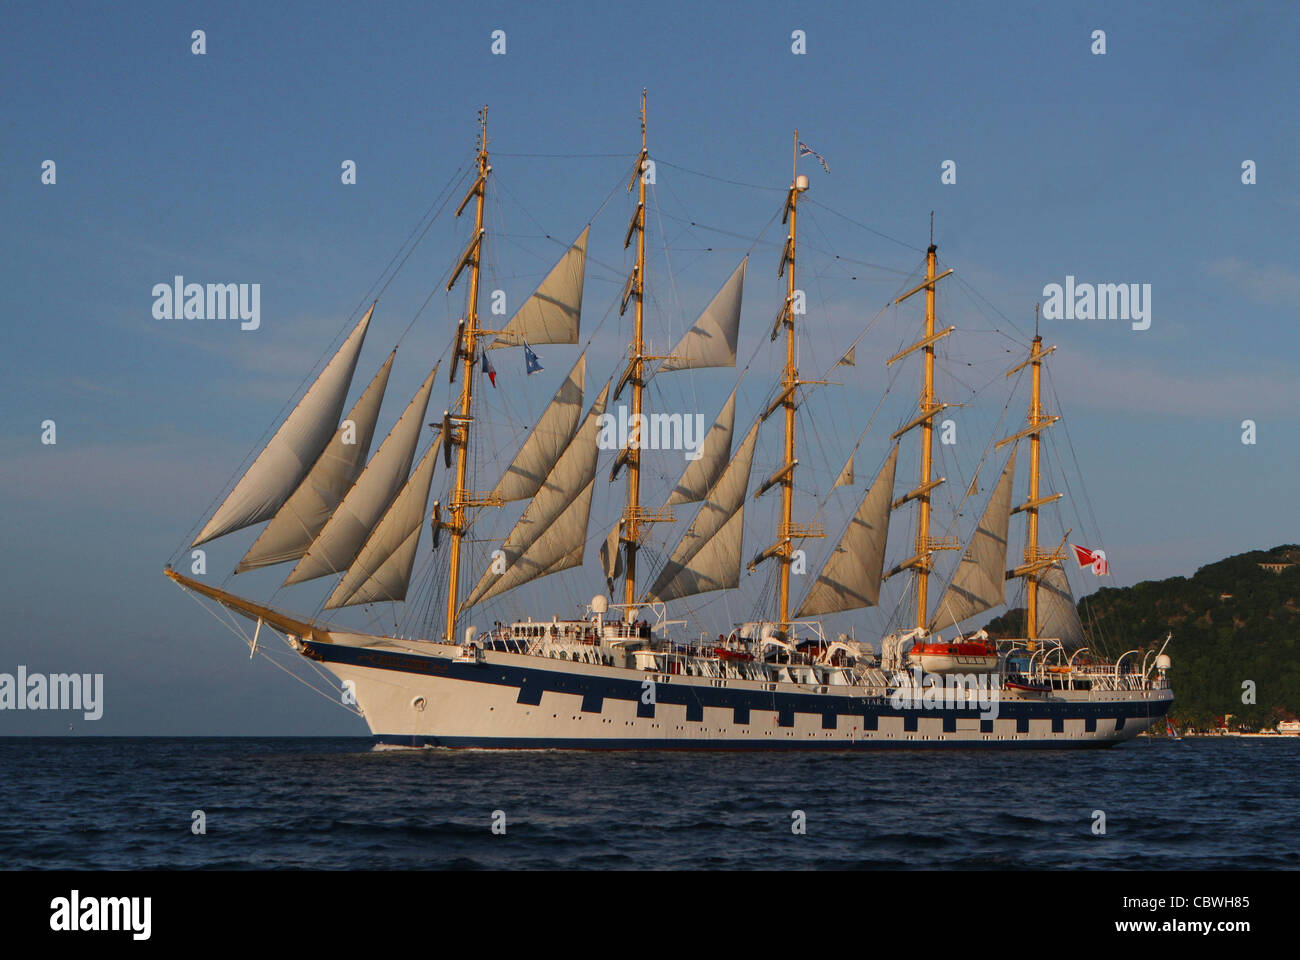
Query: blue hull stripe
x=584 y=743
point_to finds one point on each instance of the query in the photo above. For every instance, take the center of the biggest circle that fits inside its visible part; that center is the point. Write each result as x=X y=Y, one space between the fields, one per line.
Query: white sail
x=700 y=475
x=296 y=524
x=382 y=569
x=552 y=314
x=845 y=479
x=339 y=541
x=289 y=455
x=553 y=528
x=708 y=555
x=980 y=581
x=711 y=342
x=850 y=580
x=611 y=557
x=539 y=453
x=1058 y=617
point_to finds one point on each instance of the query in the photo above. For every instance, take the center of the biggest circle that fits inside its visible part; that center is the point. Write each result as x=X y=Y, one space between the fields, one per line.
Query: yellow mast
x=631 y=518
x=927 y=449
x=787 y=531
x=1035 y=560
x=929 y=407
x=789 y=381
x=458 y=427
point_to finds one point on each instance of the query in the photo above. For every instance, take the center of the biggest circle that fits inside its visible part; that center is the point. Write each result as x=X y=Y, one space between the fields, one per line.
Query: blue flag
x=807 y=151
x=531 y=363
x=490 y=370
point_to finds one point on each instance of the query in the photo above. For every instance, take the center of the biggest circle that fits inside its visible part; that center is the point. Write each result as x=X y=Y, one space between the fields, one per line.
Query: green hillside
x=1231 y=621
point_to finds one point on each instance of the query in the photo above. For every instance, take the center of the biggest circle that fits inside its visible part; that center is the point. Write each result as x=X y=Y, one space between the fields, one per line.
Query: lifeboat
x=734 y=655
x=962 y=656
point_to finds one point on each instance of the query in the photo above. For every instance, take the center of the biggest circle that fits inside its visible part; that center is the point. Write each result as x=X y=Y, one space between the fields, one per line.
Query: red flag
x=1092 y=558
x=490 y=370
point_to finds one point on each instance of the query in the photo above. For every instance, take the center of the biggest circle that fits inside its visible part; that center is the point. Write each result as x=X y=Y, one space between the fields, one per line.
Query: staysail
x=1058 y=617
x=845 y=478
x=553 y=312
x=289 y=455
x=339 y=541
x=296 y=524
x=850 y=579
x=551 y=534
x=980 y=581
x=708 y=555
x=382 y=569
x=700 y=475
x=554 y=429
x=711 y=342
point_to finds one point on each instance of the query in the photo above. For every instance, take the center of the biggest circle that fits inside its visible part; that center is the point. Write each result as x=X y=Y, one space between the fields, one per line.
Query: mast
x=1036 y=560
x=927 y=447
x=787 y=531
x=929 y=407
x=631 y=517
x=1035 y=438
x=789 y=381
x=458 y=431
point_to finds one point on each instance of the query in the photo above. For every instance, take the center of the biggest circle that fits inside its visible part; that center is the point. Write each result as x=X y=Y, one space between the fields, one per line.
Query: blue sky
x=225 y=168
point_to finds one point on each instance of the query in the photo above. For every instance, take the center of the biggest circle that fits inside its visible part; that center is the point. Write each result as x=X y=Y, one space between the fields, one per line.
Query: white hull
x=419 y=709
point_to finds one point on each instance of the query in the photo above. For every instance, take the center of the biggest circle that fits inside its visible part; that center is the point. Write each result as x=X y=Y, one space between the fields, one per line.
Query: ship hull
x=415 y=698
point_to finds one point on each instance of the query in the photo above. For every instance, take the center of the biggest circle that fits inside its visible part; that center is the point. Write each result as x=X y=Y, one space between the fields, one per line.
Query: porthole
x=418 y=704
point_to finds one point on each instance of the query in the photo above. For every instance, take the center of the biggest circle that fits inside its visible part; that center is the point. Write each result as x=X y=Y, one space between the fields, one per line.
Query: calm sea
x=91 y=803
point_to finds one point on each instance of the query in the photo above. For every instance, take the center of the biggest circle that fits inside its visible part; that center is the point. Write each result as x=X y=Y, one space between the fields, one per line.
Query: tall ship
x=632 y=668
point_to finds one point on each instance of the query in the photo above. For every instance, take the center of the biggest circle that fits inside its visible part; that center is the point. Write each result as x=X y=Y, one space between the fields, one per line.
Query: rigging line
x=735 y=183
x=858 y=223
x=564 y=156
x=729 y=233
x=862 y=436
x=447 y=189
x=971 y=289
x=234 y=629
x=989 y=447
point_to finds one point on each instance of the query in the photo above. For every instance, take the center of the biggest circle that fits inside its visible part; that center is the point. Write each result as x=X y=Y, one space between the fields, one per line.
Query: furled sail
x=980 y=581
x=289 y=455
x=553 y=312
x=1058 y=617
x=382 y=569
x=551 y=534
x=535 y=459
x=295 y=526
x=708 y=555
x=850 y=579
x=700 y=475
x=339 y=541
x=711 y=342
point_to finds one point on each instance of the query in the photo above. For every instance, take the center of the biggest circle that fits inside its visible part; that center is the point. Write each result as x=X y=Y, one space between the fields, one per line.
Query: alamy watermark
x=930 y=691
x=179 y=300
x=655 y=431
x=56 y=691
x=1101 y=301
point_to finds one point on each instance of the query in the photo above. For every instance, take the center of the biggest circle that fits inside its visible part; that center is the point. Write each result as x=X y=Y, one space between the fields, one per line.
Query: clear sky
x=1117 y=168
